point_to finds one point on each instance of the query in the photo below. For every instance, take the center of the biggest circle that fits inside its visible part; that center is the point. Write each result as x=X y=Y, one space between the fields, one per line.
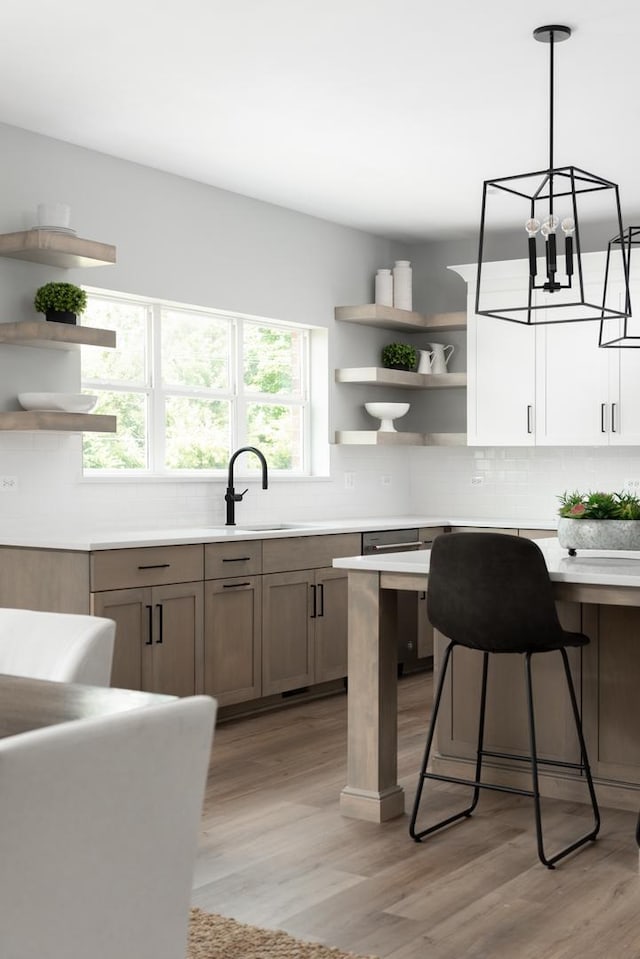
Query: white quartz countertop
x=101 y=539
x=593 y=567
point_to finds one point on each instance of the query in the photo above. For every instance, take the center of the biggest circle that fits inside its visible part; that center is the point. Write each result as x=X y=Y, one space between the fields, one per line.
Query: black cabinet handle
x=156 y=566
x=529 y=422
x=603 y=418
x=149 y=640
x=314 y=609
x=613 y=418
x=321 y=590
x=237 y=559
x=160 y=624
x=234 y=585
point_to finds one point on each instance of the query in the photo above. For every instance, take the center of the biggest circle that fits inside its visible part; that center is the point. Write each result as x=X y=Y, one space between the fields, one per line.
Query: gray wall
x=195 y=244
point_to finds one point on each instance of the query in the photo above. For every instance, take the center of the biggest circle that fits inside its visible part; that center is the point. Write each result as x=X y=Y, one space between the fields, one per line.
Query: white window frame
x=156 y=392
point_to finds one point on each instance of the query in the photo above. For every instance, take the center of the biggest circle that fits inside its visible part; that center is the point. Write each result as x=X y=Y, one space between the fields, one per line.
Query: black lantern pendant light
x=618 y=333
x=549 y=206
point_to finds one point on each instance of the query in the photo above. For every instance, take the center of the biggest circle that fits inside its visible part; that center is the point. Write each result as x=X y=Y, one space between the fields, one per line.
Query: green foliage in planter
x=399 y=356
x=599 y=506
x=63 y=297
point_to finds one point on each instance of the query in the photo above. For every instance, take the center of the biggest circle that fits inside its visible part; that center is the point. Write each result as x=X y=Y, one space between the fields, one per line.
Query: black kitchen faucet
x=231 y=497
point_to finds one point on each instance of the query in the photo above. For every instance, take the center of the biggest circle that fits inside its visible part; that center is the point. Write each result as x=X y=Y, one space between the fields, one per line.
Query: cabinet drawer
x=148 y=566
x=222 y=560
x=307 y=552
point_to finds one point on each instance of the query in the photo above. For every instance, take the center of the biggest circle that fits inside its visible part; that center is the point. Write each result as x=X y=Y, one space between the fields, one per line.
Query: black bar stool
x=491 y=592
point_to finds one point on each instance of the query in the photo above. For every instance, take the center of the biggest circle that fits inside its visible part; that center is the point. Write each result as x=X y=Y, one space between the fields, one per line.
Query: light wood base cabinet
x=232 y=639
x=159 y=637
x=304 y=629
x=330 y=625
x=611 y=683
x=288 y=604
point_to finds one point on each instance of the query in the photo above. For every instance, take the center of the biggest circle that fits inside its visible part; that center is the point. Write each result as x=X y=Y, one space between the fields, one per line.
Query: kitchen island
x=597 y=593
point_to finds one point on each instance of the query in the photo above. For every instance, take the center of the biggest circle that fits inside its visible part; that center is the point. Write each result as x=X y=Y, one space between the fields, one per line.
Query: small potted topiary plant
x=399 y=356
x=60 y=302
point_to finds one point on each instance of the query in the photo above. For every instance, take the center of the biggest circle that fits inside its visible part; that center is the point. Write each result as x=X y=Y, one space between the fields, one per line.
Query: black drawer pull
x=156 y=566
x=234 y=585
x=160 y=638
x=237 y=559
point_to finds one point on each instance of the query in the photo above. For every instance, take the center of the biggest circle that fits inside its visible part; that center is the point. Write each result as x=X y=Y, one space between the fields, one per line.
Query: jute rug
x=215 y=937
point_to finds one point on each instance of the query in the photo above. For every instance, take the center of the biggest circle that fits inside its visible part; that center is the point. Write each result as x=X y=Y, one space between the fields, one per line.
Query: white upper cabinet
x=549 y=384
x=501 y=367
x=500 y=383
x=572 y=386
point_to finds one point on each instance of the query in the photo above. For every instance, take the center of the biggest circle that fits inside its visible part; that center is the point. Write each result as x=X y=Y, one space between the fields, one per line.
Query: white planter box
x=599 y=533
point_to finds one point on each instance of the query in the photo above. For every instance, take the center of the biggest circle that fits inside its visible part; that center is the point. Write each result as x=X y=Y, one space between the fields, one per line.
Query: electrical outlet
x=8 y=483
x=386 y=480
x=632 y=485
x=349 y=480
x=477 y=479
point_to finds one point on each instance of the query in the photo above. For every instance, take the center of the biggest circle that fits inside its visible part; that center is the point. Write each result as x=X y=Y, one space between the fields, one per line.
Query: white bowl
x=387 y=413
x=58 y=402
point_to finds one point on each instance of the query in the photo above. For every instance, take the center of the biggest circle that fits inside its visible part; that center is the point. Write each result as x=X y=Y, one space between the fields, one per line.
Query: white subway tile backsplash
x=514 y=483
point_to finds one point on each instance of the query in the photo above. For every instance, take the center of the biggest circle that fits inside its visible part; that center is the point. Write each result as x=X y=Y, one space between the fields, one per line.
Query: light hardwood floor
x=276 y=852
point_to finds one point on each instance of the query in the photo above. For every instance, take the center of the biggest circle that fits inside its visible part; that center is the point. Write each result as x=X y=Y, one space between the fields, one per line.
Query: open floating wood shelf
x=29 y=420
x=379 y=438
x=58 y=336
x=388 y=317
x=56 y=249
x=381 y=376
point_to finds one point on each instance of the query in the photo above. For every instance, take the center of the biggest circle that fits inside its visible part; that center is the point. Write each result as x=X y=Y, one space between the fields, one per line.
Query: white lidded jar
x=384 y=288
x=402 y=279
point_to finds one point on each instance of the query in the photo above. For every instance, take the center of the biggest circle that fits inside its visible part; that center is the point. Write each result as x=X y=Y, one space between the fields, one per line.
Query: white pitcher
x=424 y=363
x=440 y=356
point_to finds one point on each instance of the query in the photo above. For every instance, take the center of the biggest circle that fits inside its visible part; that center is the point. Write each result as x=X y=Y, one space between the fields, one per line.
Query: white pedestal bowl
x=387 y=413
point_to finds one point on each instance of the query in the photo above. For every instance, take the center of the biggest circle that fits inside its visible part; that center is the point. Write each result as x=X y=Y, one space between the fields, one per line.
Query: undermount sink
x=258 y=528
x=269 y=527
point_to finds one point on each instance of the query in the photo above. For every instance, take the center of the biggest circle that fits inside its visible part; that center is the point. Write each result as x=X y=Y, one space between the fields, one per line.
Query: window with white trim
x=189 y=385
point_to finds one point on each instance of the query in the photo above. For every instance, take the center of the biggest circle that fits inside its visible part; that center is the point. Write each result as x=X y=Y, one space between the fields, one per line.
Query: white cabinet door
x=572 y=386
x=500 y=383
x=624 y=390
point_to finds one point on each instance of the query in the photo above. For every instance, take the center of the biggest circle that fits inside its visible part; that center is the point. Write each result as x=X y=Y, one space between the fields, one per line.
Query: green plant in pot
x=399 y=356
x=598 y=520
x=60 y=302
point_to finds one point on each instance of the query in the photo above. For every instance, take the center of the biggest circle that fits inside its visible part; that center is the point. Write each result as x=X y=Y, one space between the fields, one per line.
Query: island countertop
x=592 y=568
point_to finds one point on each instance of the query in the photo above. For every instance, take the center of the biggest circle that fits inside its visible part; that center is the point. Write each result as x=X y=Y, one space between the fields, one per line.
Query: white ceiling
x=384 y=115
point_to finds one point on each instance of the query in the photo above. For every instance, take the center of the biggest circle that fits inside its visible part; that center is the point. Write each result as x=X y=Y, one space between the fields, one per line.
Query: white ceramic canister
x=402 y=281
x=384 y=288
x=54 y=214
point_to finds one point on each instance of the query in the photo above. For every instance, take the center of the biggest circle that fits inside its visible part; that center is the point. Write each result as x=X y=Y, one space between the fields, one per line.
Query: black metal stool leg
x=584 y=761
x=424 y=775
x=584 y=758
x=481 y=721
x=534 y=764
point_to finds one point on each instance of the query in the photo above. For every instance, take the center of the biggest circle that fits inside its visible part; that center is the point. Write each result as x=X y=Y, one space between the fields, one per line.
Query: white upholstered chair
x=66 y=647
x=99 y=822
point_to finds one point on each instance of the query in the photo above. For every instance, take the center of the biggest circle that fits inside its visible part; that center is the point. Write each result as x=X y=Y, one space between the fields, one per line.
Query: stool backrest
x=491 y=591
x=65 y=647
x=100 y=821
